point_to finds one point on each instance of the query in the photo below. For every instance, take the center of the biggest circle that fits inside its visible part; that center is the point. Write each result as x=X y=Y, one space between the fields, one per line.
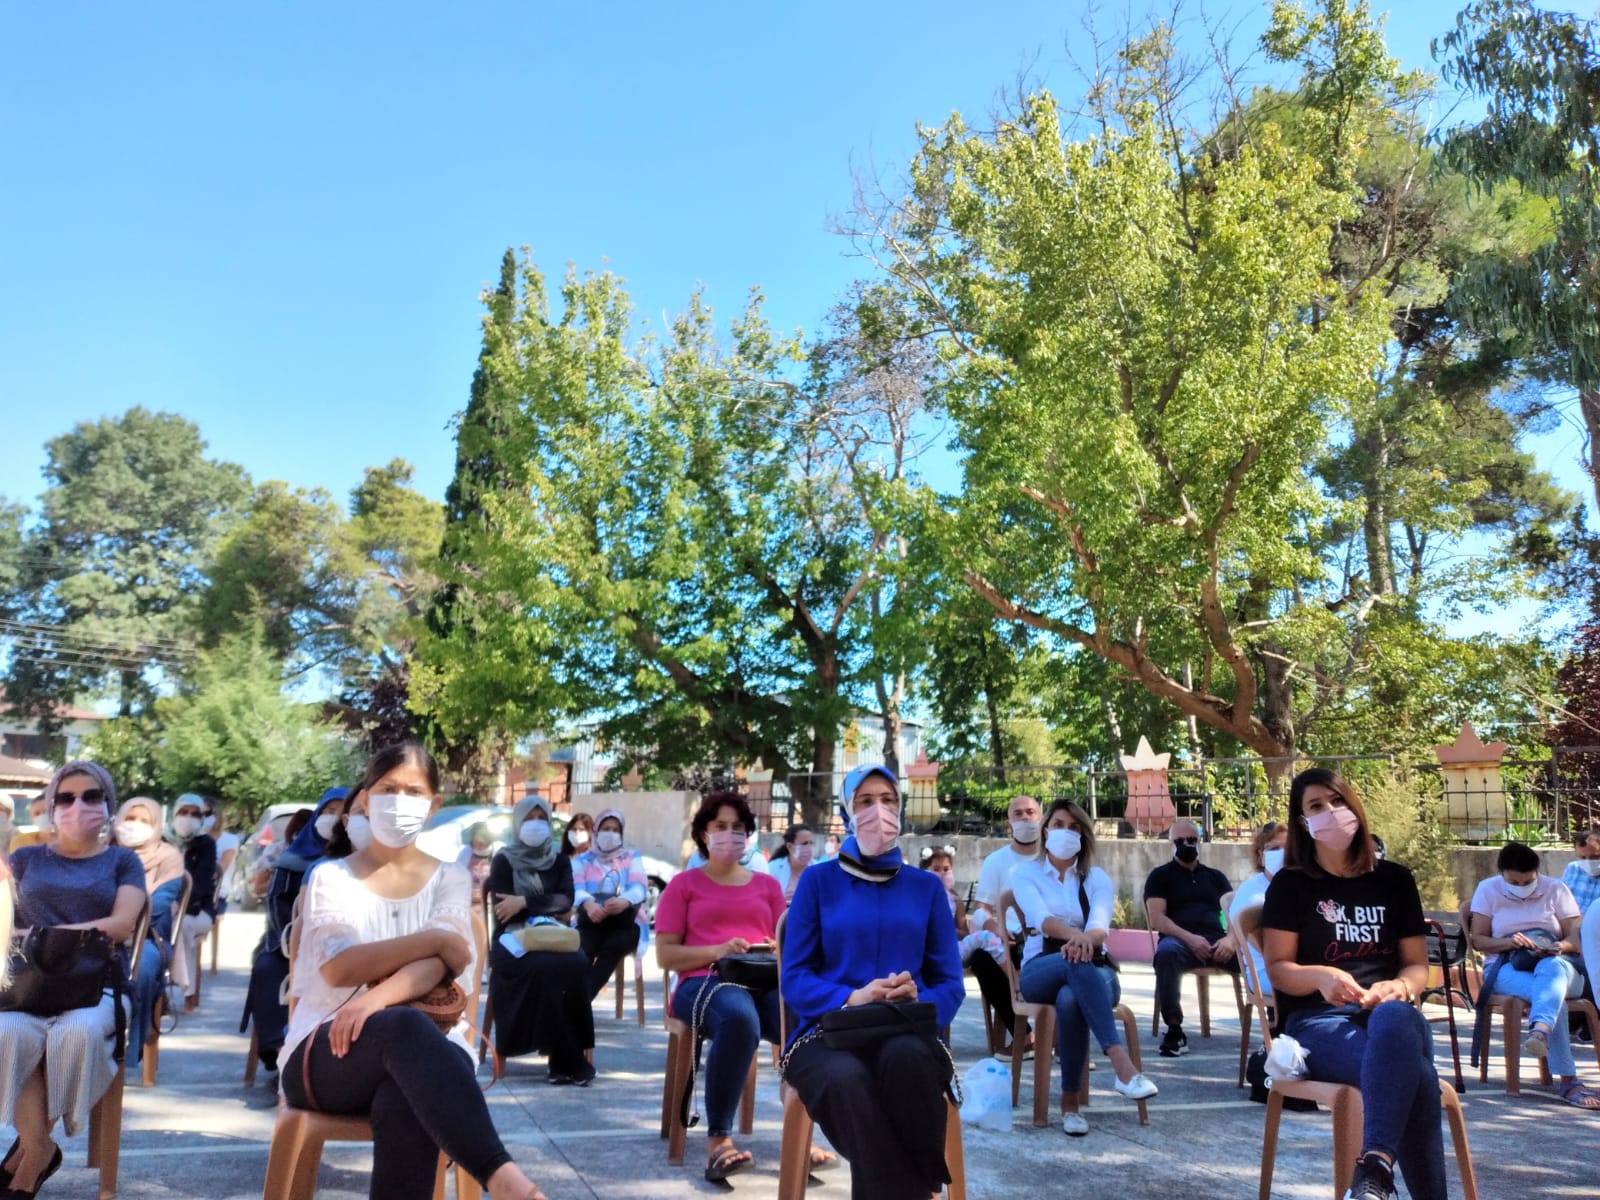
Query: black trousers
x=883 y=1109
x=996 y=989
x=606 y=943
x=270 y=1015
x=417 y=1089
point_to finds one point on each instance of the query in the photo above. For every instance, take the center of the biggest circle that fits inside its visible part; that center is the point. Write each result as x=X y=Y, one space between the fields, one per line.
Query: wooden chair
x=794 y=1154
x=619 y=985
x=680 y=1062
x=1341 y=1099
x=1043 y=1017
x=1255 y=999
x=1202 y=977
x=105 y=1118
x=152 y=1044
x=1448 y=948
x=1513 y=1016
x=298 y=1135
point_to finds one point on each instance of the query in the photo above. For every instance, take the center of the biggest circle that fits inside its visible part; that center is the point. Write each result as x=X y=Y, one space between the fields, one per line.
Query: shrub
x=1408 y=814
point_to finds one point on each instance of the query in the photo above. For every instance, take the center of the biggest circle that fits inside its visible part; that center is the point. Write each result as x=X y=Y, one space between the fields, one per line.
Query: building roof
x=16 y=770
x=64 y=712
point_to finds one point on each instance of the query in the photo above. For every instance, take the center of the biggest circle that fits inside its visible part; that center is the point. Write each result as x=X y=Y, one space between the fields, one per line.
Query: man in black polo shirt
x=1184 y=903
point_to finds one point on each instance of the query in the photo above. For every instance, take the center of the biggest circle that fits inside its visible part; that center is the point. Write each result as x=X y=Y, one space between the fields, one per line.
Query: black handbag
x=1102 y=957
x=54 y=970
x=863 y=1026
x=754 y=971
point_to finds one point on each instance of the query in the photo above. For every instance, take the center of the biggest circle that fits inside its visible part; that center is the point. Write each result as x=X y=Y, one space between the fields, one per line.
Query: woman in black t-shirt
x=1343 y=938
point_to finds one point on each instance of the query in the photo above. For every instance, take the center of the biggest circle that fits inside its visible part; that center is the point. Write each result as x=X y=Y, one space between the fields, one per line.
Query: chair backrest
x=777 y=952
x=1008 y=904
x=182 y=909
x=1247 y=928
x=141 y=933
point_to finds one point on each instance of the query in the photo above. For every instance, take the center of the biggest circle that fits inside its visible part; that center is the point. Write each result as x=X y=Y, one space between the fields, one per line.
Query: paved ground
x=200 y=1134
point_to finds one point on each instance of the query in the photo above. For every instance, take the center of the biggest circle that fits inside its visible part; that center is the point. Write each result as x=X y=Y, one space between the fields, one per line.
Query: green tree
x=1537 y=73
x=232 y=732
x=111 y=571
x=130 y=748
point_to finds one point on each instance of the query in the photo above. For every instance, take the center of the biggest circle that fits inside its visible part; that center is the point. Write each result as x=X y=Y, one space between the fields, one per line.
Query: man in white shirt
x=994 y=880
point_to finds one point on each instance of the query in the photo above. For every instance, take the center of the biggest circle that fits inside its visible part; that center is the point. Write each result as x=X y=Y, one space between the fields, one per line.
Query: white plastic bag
x=987 y=1090
x=1287 y=1060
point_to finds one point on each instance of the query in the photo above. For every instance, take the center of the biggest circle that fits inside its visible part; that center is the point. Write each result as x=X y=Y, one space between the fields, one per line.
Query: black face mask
x=1186 y=854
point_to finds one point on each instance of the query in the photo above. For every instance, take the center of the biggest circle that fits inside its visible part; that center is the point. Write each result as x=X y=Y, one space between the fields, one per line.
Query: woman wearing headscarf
x=270 y=965
x=863 y=930
x=540 y=996
x=56 y=1067
x=200 y=860
x=611 y=885
x=138 y=827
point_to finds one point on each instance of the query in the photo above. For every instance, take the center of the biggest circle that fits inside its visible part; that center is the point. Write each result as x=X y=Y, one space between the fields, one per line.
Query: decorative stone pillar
x=922 y=795
x=758 y=789
x=1150 y=808
x=1475 y=805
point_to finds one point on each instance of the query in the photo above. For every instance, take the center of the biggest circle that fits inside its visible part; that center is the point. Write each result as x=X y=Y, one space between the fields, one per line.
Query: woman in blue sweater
x=861 y=930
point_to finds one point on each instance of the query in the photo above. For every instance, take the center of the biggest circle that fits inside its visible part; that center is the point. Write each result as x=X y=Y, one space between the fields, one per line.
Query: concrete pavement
x=200 y=1134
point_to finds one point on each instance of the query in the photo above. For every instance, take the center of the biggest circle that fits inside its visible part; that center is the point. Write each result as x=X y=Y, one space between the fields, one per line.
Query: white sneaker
x=1137 y=1088
x=1073 y=1125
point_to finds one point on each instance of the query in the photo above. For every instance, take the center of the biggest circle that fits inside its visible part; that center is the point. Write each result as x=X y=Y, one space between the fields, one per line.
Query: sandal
x=730 y=1160
x=5 y=1171
x=823 y=1160
x=1536 y=1041
x=1580 y=1096
x=25 y=1194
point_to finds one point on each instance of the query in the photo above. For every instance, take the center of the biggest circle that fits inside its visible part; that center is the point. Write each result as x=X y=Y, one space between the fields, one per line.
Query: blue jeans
x=735 y=1023
x=1084 y=996
x=142 y=993
x=1546 y=988
x=1387 y=1053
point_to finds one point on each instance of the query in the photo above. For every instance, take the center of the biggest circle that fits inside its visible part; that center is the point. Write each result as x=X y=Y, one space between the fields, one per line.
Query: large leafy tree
x=1538 y=73
x=696 y=551
x=110 y=572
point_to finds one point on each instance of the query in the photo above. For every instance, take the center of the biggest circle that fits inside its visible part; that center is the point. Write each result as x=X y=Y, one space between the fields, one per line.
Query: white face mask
x=186 y=827
x=1522 y=890
x=534 y=833
x=1064 y=844
x=397 y=818
x=208 y=824
x=359 y=830
x=607 y=840
x=133 y=834
x=43 y=823
x=578 y=837
x=1025 y=833
x=1591 y=865
x=1272 y=860
x=802 y=854
x=325 y=825
x=5 y=820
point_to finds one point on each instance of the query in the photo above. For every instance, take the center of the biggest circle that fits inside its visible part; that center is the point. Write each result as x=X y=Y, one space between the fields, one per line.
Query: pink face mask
x=81 y=822
x=1335 y=828
x=726 y=846
x=876 y=828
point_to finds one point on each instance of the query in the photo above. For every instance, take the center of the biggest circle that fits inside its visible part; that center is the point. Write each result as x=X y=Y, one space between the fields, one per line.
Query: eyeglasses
x=88 y=796
x=1188 y=841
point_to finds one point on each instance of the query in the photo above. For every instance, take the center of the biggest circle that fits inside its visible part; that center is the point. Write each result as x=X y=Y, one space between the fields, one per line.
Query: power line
x=67 y=634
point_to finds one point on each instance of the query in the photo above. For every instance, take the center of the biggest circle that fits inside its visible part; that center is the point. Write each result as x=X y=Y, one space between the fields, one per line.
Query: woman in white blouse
x=1066 y=904
x=378 y=929
x=1267 y=850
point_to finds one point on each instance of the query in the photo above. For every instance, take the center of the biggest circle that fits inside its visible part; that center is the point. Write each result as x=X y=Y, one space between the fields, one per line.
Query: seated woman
x=610 y=884
x=55 y=1068
x=377 y=930
x=863 y=930
x=541 y=997
x=1066 y=905
x=138 y=828
x=1526 y=924
x=1345 y=948
x=477 y=856
x=270 y=965
x=790 y=860
x=722 y=908
x=1267 y=849
x=578 y=835
x=200 y=860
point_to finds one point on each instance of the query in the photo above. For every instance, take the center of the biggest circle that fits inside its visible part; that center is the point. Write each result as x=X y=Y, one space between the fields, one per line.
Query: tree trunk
x=816 y=805
x=997 y=748
x=130 y=684
x=1375 y=525
x=1589 y=405
x=1277 y=699
x=889 y=706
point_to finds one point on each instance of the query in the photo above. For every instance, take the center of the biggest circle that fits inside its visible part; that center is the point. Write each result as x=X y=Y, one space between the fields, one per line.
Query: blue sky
x=276 y=219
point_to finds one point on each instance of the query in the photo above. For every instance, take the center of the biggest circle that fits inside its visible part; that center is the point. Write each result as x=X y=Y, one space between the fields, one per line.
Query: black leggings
x=416 y=1088
x=995 y=985
x=606 y=943
x=883 y=1109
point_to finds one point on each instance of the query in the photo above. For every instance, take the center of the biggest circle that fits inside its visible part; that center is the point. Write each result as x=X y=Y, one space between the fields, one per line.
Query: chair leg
x=1269 y=1142
x=1202 y=987
x=252 y=1058
x=105 y=1136
x=666 y=1085
x=638 y=988
x=1019 y=1037
x=467 y=1187
x=679 y=1076
x=303 y=1185
x=1244 y=1042
x=1044 y=1042
x=1130 y=1031
x=1511 y=1035
x=1591 y=1017
x=216 y=940
x=1347 y=1114
x=1155 y=1018
x=794 y=1156
x=1458 y=1136
x=955 y=1155
x=439 y=1172
x=747 y=1101
x=485 y=1028
x=283 y=1156
x=620 y=984
x=1455 y=1039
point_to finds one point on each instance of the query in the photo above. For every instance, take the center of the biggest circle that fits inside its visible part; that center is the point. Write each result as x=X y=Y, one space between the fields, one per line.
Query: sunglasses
x=87 y=796
x=1188 y=841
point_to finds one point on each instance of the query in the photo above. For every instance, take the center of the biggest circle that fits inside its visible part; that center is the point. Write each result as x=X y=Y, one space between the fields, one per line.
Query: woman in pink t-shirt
x=718 y=909
x=1527 y=926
